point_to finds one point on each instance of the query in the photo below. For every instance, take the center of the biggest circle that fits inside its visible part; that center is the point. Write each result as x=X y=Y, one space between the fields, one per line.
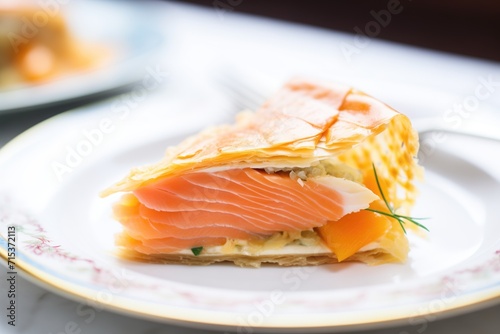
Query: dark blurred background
x=467 y=27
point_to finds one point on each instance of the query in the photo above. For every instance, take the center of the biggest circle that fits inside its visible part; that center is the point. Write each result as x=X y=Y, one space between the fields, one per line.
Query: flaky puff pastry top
x=303 y=123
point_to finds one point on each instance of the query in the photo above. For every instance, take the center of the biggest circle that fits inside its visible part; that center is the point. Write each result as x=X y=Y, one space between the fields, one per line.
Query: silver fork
x=248 y=96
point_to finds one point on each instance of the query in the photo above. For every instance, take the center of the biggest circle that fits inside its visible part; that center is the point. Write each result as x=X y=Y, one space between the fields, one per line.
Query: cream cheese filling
x=305 y=242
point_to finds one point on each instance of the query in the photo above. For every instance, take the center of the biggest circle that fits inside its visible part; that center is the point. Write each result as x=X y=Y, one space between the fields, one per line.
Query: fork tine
x=244 y=97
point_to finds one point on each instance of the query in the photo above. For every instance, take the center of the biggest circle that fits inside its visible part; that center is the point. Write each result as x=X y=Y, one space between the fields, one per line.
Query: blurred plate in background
x=130 y=32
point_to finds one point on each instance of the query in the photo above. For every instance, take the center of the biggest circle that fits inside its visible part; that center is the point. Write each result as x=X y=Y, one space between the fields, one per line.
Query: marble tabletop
x=42 y=311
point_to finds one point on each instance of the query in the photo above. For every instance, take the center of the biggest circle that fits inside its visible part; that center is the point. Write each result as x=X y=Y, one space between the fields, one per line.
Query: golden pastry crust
x=370 y=257
x=287 y=132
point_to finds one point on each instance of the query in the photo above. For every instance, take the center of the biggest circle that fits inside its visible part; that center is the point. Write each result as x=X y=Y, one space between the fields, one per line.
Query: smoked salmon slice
x=286 y=184
x=237 y=204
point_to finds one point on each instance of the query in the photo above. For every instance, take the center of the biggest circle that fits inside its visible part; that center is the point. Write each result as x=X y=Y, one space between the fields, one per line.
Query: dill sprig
x=400 y=218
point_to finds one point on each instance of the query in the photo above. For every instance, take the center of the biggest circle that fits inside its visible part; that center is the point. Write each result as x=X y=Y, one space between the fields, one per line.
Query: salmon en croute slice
x=287 y=184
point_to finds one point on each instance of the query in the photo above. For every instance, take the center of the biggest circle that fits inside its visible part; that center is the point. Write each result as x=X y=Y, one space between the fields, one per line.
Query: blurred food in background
x=36 y=46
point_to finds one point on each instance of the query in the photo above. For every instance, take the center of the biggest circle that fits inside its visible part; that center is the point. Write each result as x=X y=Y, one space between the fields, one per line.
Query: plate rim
x=379 y=320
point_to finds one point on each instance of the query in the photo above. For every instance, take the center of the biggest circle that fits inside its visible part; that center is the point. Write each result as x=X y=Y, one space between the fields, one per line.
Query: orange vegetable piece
x=370 y=182
x=353 y=231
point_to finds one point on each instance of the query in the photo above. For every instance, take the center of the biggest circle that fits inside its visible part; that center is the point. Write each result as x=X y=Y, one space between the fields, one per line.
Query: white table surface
x=201 y=42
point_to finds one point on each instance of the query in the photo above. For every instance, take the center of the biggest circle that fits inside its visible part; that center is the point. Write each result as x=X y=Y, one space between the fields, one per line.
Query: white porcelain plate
x=51 y=175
